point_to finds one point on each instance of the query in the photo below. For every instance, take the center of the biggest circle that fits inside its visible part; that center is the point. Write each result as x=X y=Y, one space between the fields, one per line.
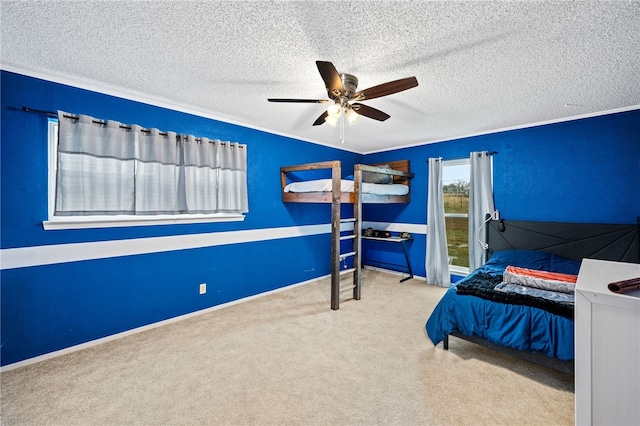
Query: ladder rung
x=346 y=271
x=349 y=219
x=345 y=255
x=347 y=288
x=347 y=237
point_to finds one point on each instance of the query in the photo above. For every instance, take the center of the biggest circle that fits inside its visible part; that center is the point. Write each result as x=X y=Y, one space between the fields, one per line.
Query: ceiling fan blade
x=332 y=80
x=304 y=101
x=367 y=111
x=386 y=89
x=321 y=119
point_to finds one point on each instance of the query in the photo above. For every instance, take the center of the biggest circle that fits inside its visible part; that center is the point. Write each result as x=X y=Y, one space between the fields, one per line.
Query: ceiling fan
x=343 y=95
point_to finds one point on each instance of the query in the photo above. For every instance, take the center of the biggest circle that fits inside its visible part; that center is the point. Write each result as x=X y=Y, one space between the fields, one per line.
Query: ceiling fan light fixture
x=334 y=110
x=331 y=120
x=352 y=116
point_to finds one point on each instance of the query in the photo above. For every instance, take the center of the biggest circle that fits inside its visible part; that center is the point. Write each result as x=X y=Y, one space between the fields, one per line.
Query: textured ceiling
x=481 y=66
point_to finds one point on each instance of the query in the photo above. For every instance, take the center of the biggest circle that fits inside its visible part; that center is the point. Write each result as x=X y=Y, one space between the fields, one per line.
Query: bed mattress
x=325 y=185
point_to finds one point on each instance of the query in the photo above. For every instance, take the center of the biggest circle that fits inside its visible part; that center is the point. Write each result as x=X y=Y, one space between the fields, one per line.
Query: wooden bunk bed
x=338 y=190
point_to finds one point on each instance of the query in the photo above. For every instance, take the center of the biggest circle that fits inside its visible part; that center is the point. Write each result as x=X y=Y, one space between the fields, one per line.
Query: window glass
x=455 y=187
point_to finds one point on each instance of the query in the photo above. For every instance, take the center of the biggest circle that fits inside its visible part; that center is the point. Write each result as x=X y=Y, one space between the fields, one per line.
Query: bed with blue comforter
x=519 y=320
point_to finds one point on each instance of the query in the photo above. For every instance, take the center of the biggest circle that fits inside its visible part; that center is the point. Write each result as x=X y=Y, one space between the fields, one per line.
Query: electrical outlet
x=495 y=215
x=203 y=288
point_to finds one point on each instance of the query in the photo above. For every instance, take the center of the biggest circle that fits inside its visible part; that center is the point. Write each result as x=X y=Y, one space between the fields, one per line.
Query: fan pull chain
x=342 y=128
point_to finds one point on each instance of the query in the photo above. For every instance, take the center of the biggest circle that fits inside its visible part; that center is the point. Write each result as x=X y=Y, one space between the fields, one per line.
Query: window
x=96 y=181
x=455 y=187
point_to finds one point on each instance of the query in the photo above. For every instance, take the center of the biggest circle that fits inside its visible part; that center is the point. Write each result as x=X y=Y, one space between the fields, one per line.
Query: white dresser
x=607 y=346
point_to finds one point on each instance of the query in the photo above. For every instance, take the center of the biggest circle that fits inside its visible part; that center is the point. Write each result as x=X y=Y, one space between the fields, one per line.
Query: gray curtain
x=480 y=204
x=108 y=168
x=437 y=258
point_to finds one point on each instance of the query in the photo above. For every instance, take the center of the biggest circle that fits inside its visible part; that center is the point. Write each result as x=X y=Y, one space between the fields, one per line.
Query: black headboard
x=571 y=240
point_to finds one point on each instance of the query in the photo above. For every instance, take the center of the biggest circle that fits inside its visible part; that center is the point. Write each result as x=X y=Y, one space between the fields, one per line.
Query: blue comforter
x=520 y=327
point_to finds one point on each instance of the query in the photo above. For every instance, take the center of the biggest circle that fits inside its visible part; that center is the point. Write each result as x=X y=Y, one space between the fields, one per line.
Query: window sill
x=462 y=271
x=126 y=221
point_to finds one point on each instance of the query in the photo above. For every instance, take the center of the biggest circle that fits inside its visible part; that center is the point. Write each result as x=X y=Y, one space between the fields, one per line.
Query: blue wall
x=584 y=171
x=50 y=307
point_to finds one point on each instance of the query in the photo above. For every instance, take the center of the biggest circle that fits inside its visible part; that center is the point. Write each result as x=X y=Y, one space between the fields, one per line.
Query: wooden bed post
x=357 y=232
x=335 y=235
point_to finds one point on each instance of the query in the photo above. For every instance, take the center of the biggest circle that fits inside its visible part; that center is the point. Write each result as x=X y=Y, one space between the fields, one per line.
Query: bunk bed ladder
x=339 y=283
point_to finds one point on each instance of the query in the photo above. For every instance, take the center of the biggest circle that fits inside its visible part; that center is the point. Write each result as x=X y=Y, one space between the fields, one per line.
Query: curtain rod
x=39 y=111
x=52 y=114
x=479 y=154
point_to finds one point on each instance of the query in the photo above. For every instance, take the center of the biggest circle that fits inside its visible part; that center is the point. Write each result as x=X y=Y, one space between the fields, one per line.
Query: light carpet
x=288 y=359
